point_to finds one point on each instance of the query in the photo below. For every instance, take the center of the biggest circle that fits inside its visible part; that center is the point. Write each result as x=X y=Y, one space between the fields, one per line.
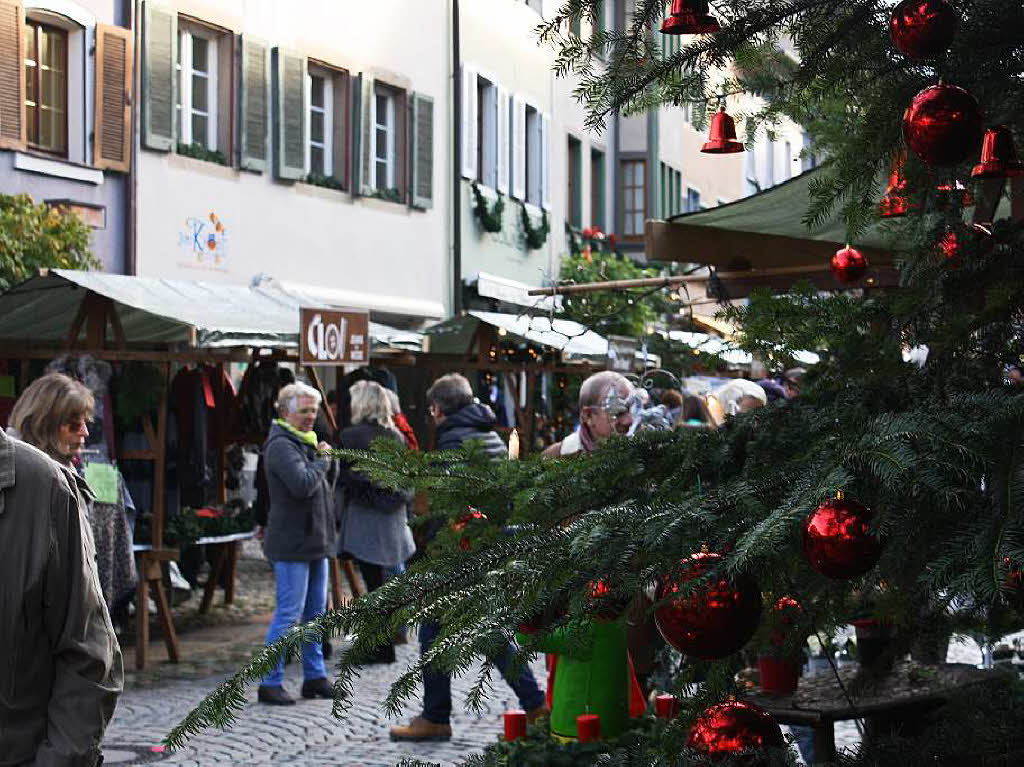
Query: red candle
x=666 y=706
x=515 y=724
x=588 y=728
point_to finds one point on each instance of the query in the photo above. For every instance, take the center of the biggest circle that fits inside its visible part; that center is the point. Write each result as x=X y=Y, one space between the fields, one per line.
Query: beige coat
x=60 y=664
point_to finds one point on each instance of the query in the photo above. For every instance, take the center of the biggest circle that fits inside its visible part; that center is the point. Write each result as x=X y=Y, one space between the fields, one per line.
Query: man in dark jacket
x=460 y=418
x=299 y=535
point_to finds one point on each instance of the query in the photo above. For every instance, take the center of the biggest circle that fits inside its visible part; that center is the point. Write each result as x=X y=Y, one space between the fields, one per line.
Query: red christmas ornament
x=689 y=17
x=722 y=135
x=998 y=155
x=923 y=29
x=734 y=726
x=464 y=542
x=848 y=265
x=949 y=245
x=942 y=125
x=715 y=619
x=837 y=541
x=894 y=203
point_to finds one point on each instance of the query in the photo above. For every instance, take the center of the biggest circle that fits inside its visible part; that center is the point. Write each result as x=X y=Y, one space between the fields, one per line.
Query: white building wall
x=293 y=231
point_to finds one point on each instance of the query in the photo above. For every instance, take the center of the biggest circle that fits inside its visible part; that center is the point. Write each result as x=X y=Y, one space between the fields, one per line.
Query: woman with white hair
x=299 y=535
x=736 y=396
x=374 y=528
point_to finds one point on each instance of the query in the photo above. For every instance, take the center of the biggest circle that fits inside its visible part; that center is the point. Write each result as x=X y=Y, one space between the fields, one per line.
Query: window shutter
x=288 y=74
x=12 y=75
x=254 y=104
x=518 y=148
x=339 y=125
x=112 y=133
x=422 y=151
x=363 y=135
x=159 y=79
x=545 y=161
x=503 y=140
x=469 y=113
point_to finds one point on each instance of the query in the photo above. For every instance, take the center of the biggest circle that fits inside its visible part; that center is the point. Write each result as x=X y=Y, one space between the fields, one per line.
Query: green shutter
x=159 y=77
x=288 y=72
x=422 y=143
x=254 y=104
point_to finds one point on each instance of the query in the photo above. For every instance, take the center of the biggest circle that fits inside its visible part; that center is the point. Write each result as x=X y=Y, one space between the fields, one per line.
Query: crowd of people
x=314 y=507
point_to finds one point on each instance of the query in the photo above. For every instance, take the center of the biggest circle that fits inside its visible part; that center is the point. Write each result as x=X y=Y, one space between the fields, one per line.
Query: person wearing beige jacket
x=60 y=664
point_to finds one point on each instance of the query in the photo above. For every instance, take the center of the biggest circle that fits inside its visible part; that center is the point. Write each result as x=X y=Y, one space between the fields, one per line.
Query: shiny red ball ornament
x=722 y=135
x=837 y=539
x=689 y=17
x=942 y=125
x=715 y=619
x=848 y=265
x=923 y=29
x=734 y=726
x=998 y=155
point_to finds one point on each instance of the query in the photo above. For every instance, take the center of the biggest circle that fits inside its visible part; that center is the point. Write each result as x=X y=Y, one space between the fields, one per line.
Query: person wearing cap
x=792 y=380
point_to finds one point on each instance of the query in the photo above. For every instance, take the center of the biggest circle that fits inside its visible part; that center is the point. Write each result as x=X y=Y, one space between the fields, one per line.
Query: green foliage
x=609 y=312
x=138 y=387
x=328 y=182
x=187 y=526
x=199 y=152
x=388 y=195
x=536 y=236
x=490 y=217
x=34 y=236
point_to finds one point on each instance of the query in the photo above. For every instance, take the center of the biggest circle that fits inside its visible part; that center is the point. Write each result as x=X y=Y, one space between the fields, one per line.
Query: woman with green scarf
x=299 y=535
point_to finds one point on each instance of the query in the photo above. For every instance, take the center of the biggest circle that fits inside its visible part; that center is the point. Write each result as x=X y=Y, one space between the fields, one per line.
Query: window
x=634 y=197
x=692 y=199
x=574 y=198
x=320 y=159
x=810 y=159
x=46 y=87
x=197 y=88
x=487 y=132
x=597 y=187
x=534 y=161
x=384 y=140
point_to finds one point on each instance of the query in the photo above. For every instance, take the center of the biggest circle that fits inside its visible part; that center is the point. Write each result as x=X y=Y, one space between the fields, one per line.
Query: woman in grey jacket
x=374 y=522
x=299 y=535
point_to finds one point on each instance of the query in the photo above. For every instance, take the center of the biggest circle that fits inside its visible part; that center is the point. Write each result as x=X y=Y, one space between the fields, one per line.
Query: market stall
x=174 y=342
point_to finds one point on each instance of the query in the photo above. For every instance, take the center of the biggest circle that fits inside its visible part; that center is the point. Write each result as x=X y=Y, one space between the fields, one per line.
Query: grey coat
x=60 y=664
x=374 y=520
x=300 y=521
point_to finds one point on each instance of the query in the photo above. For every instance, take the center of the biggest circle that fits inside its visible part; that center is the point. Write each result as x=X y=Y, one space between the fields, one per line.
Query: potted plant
x=780 y=656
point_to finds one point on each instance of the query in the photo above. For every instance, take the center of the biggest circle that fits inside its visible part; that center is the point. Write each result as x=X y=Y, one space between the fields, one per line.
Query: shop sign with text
x=331 y=337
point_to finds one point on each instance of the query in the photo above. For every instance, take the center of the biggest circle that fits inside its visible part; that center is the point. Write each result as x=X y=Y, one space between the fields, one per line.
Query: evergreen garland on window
x=535 y=236
x=490 y=216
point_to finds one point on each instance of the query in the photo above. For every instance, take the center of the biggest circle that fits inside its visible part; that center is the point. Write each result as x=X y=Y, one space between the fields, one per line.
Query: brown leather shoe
x=421 y=729
x=275 y=696
x=536 y=713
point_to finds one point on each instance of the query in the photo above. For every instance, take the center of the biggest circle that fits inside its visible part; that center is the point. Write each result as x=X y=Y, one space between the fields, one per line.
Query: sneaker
x=317 y=688
x=274 y=696
x=421 y=729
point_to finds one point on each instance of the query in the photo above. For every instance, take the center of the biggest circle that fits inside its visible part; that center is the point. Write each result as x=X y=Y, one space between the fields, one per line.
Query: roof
x=158 y=311
x=454 y=335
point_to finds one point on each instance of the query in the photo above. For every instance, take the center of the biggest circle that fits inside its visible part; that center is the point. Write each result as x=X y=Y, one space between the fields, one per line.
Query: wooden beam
x=332 y=422
x=76 y=324
x=160 y=465
x=95 y=319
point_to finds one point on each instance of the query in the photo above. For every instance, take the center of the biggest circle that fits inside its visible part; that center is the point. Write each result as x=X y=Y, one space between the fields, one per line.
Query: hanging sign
x=621 y=353
x=331 y=337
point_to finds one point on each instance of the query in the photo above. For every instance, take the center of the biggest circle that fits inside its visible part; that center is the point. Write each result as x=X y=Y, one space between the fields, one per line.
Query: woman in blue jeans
x=299 y=535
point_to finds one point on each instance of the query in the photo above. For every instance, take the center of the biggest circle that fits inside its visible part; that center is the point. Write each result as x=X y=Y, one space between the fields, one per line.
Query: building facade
x=65 y=113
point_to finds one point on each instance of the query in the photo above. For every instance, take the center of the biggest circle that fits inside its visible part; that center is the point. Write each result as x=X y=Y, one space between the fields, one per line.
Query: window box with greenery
x=488 y=207
x=199 y=152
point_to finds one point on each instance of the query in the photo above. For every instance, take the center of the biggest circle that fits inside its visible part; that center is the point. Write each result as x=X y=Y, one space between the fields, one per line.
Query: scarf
x=309 y=437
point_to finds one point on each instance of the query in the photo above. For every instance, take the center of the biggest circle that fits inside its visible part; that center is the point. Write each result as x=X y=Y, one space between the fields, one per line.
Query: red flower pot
x=778 y=675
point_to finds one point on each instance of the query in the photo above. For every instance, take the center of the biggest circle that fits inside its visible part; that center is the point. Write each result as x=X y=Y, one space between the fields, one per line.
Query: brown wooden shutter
x=12 y=75
x=254 y=131
x=112 y=131
x=340 y=143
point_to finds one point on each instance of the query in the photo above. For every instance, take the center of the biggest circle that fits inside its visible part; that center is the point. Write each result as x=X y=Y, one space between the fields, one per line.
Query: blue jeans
x=437 y=686
x=301 y=596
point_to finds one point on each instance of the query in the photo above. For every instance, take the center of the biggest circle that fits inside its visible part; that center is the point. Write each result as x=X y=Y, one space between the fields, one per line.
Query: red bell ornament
x=713 y=620
x=942 y=125
x=998 y=155
x=923 y=29
x=689 y=17
x=734 y=726
x=848 y=265
x=837 y=539
x=722 y=135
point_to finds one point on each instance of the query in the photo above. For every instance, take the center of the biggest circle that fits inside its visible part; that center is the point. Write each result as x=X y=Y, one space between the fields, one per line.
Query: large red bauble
x=734 y=726
x=715 y=619
x=837 y=541
x=943 y=125
x=848 y=265
x=922 y=29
